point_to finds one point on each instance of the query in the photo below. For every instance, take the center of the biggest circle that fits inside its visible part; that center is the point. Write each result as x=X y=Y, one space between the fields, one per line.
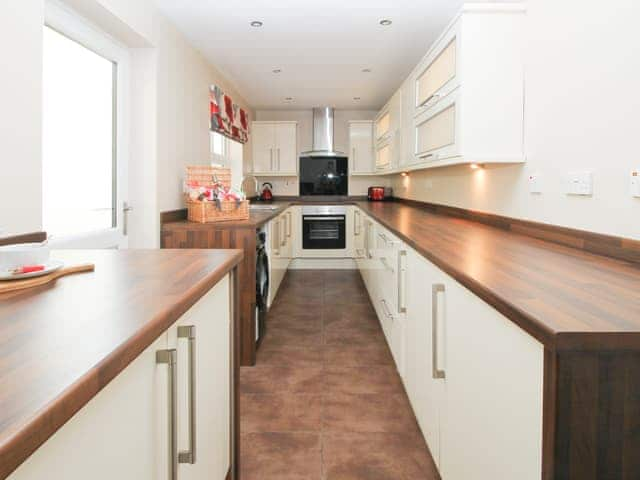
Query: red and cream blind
x=227 y=117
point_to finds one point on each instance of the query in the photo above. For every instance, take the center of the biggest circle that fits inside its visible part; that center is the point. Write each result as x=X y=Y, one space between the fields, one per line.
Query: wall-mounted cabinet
x=464 y=102
x=275 y=148
x=361 y=155
x=388 y=133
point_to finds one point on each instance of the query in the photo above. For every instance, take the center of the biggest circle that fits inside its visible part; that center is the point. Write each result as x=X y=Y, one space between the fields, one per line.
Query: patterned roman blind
x=227 y=118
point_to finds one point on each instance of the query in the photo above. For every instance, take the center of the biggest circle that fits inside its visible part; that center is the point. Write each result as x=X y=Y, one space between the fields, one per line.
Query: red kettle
x=267 y=194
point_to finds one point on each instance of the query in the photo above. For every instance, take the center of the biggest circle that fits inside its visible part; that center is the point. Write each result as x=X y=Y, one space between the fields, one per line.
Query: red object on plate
x=28 y=269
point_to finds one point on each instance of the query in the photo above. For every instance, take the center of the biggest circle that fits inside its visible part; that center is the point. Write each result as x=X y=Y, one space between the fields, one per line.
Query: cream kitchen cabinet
x=202 y=339
x=361 y=161
x=281 y=243
x=425 y=392
x=275 y=151
x=125 y=430
x=473 y=377
x=463 y=115
x=493 y=374
x=388 y=134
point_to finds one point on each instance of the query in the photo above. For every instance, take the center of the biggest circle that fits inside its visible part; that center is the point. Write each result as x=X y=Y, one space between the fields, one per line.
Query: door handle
x=126 y=208
x=169 y=358
x=402 y=308
x=436 y=372
x=189 y=332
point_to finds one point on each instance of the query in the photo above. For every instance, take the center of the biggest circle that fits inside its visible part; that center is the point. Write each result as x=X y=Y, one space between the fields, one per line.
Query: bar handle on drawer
x=435 y=289
x=189 y=332
x=169 y=358
x=356 y=222
x=402 y=308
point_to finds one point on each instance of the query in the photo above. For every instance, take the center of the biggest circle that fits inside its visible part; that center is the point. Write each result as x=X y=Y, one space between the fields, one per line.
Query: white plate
x=50 y=266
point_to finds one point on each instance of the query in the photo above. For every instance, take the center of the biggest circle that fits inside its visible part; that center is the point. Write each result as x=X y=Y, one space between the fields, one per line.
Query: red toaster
x=376 y=194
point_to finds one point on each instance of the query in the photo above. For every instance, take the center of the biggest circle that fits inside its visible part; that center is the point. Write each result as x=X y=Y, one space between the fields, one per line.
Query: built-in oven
x=324 y=227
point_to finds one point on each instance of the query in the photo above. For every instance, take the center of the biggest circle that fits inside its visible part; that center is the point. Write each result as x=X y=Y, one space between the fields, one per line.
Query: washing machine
x=262 y=284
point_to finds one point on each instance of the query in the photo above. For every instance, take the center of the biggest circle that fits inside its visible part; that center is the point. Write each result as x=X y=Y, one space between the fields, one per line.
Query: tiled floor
x=324 y=401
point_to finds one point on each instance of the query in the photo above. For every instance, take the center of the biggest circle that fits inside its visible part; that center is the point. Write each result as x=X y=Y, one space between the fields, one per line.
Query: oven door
x=324 y=232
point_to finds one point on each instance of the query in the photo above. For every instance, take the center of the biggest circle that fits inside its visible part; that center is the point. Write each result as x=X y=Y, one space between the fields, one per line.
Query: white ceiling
x=320 y=46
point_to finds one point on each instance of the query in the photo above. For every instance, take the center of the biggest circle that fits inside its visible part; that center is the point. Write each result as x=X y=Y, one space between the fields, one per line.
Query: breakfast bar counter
x=62 y=343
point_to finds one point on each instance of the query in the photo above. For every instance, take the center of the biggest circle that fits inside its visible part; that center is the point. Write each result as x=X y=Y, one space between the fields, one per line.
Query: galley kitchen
x=365 y=240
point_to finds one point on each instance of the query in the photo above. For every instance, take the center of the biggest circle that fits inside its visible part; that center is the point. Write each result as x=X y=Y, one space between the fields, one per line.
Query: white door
x=122 y=429
x=263 y=140
x=85 y=133
x=204 y=428
x=492 y=419
x=425 y=393
x=361 y=140
x=286 y=157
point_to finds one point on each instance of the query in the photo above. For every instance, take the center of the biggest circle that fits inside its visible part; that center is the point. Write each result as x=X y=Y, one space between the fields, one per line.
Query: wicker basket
x=206 y=212
x=206 y=176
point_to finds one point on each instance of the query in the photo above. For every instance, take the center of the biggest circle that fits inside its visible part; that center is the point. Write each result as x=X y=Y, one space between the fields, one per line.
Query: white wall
x=21 y=106
x=582 y=112
x=289 y=186
x=170 y=110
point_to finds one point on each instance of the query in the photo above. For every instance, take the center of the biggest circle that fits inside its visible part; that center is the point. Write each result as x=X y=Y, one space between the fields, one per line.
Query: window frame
x=72 y=25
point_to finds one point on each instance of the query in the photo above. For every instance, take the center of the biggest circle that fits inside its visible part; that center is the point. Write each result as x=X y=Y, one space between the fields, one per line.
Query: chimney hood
x=323 y=134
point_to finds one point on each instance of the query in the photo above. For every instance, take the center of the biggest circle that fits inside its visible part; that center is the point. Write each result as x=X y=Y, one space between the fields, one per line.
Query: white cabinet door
x=286 y=153
x=437 y=130
x=263 y=137
x=361 y=148
x=441 y=71
x=492 y=425
x=425 y=393
x=120 y=433
x=206 y=419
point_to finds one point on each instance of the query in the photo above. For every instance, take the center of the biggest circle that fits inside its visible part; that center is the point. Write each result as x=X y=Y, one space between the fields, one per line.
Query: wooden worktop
x=568 y=298
x=61 y=344
x=565 y=297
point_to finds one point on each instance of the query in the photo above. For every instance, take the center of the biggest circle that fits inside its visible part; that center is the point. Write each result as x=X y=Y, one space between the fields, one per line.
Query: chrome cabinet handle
x=278 y=158
x=169 y=358
x=276 y=237
x=356 y=223
x=386 y=265
x=126 y=208
x=436 y=372
x=289 y=221
x=428 y=155
x=189 y=332
x=271 y=159
x=402 y=308
x=426 y=100
x=387 y=312
x=353 y=159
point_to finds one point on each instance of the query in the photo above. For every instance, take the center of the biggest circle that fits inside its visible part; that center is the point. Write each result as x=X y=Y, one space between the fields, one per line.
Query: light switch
x=580 y=183
x=535 y=183
x=634 y=183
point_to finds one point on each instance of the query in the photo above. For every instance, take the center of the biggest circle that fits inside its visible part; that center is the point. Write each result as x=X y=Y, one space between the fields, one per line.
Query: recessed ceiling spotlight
x=256 y=23
x=366 y=70
x=277 y=70
x=385 y=22
x=356 y=98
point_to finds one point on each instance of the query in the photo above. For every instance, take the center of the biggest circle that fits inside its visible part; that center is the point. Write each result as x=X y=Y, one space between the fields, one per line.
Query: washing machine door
x=262 y=279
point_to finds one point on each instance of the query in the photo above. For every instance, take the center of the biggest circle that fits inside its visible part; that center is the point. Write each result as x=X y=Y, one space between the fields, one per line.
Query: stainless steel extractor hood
x=323 y=134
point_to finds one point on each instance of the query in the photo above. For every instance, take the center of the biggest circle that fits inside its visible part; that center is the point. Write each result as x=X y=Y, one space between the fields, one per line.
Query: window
x=83 y=148
x=228 y=153
x=78 y=143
